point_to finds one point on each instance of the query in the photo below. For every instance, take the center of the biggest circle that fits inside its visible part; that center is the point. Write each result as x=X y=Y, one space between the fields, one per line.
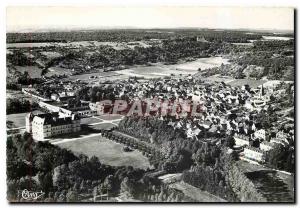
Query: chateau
x=47 y=125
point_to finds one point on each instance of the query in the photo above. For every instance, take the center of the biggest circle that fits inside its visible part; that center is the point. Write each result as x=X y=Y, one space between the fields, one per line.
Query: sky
x=21 y=19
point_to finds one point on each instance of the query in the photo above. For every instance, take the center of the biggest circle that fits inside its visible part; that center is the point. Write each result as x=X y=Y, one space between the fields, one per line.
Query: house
x=65 y=99
x=241 y=140
x=98 y=107
x=47 y=125
x=281 y=138
x=266 y=146
x=260 y=134
x=254 y=154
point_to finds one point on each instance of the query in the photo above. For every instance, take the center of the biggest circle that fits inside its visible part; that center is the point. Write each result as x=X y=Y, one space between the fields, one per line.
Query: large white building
x=254 y=154
x=241 y=140
x=47 y=125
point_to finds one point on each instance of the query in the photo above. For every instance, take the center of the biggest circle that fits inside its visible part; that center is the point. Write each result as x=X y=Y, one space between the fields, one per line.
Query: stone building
x=47 y=125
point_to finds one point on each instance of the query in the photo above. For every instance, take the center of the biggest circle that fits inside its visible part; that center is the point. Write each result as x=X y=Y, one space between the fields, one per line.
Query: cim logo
x=30 y=195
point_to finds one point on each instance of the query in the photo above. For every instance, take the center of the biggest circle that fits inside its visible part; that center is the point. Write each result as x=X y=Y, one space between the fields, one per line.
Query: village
x=225 y=110
x=151 y=115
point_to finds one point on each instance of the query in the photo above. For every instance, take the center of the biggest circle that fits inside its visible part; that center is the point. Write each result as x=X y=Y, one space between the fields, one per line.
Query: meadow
x=108 y=152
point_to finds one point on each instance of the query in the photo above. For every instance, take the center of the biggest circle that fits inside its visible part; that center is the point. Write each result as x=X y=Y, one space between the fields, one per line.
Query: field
x=203 y=63
x=158 y=70
x=58 y=71
x=105 y=126
x=251 y=82
x=17 y=119
x=110 y=75
x=90 y=120
x=217 y=78
x=234 y=82
x=33 y=71
x=109 y=117
x=17 y=94
x=107 y=151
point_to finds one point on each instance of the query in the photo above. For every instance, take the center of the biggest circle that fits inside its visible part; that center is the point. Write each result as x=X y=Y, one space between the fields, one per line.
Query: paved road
x=74 y=139
x=87 y=136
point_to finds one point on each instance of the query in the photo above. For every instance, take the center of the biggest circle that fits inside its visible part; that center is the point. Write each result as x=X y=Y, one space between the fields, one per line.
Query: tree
x=230 y=142
x=45 y=180
x=43 y=162
x=59 y=176
x=62 y=197
x=127 y=187
x=72 y=196
x=280 y=157
x=109 y=184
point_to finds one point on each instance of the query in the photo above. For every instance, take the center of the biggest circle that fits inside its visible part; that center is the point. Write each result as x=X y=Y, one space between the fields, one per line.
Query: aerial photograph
x=111 y=104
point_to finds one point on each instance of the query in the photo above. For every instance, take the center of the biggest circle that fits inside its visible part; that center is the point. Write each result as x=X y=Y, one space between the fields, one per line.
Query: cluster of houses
x=256 y=145
x=225 y=110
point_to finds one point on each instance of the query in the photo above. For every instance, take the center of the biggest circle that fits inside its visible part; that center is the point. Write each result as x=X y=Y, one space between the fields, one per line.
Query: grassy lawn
x=18 y=119
x=107 y=151
x=105 y=126
x=109 y=117
x=90 y=120
x=217 y=78
x=251 y=82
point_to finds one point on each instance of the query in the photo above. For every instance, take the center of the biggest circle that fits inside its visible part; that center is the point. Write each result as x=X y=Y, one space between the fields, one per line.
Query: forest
x=125 y=35
x=200 y=161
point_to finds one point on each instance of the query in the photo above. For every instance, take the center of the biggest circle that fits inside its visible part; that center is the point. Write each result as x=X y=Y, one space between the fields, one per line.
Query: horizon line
x=78 y=28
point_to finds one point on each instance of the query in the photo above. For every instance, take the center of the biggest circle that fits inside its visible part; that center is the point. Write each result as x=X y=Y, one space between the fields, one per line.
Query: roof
x=241 y=136
x=267 y=143
x=53 y=119
x=254 y=149
x=66 y=98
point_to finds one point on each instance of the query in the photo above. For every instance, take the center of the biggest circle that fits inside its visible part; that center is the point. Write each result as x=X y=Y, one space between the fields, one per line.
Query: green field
x=107 y=151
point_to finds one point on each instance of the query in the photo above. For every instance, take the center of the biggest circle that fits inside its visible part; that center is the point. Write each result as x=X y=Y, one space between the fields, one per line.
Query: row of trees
x=211 y=171
x=281 y=157
x=14 y=105
x=243 y=186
